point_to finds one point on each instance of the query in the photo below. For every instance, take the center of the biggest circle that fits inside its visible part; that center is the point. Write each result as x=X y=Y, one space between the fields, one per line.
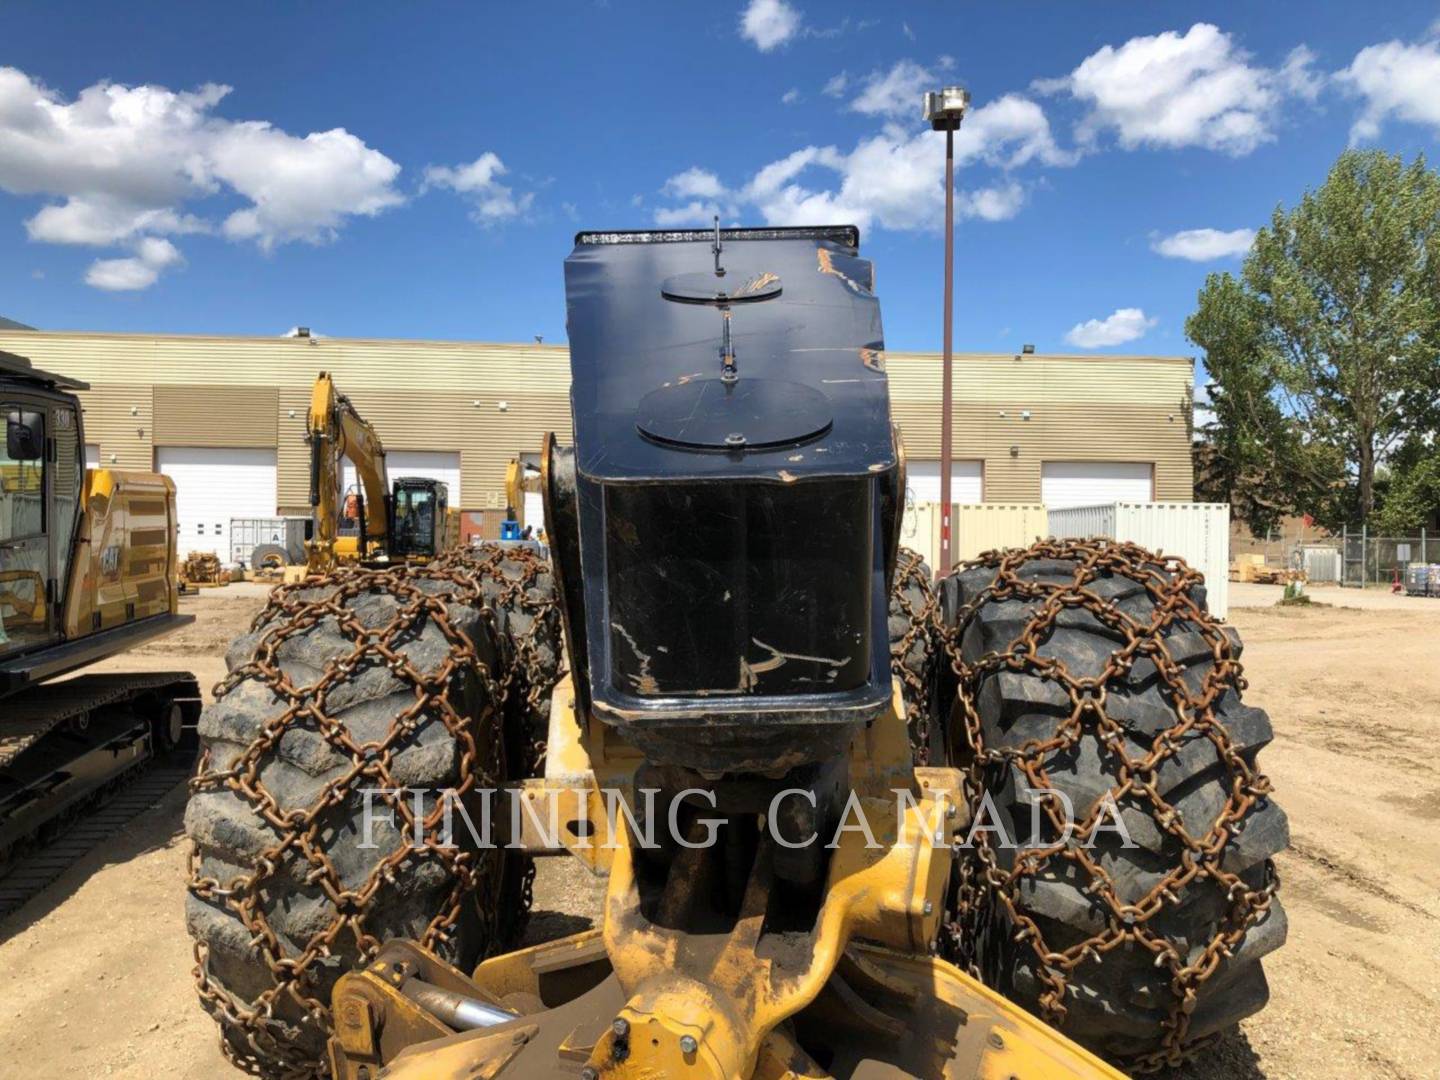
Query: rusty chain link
x=532 y=669
x=984 y=888
x=470 y=579
x=911 y=574
x=510 y=580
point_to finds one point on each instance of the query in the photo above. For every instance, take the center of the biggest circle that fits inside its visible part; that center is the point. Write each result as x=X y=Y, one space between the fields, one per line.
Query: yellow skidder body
x=655 y=997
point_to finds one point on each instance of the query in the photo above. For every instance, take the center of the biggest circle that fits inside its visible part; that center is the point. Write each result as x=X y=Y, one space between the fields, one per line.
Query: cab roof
x=13 y=367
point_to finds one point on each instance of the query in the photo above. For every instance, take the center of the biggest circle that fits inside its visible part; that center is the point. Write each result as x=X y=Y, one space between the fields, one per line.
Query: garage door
x=1085 y=483
x=442 y=465
x=213 y=485
x=922 y=481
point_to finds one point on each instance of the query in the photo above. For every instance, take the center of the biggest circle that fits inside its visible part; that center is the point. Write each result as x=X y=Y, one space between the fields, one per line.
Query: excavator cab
x=41 y=472
x=418 y=507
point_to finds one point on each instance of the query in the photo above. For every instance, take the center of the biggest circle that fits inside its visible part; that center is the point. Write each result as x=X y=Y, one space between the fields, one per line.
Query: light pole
x=945 y=109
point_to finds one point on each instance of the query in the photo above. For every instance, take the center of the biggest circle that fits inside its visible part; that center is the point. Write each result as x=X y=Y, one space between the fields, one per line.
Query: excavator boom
x=337 y=431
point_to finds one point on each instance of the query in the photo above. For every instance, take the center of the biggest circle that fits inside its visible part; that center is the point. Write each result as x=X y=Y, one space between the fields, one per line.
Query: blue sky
x=419 y=170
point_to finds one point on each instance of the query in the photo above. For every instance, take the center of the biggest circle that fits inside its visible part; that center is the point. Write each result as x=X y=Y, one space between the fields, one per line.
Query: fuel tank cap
x=748 y=413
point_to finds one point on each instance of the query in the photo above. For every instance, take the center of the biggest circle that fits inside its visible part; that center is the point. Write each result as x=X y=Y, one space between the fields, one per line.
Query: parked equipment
x=87 y=570
x=519 y=479
x=410 y=524
x=804 y=738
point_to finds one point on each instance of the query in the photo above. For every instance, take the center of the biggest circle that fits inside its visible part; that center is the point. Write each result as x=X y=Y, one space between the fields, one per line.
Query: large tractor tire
x=912 y=647
x=518 y=585
x=1093 y=669
x=348 y=688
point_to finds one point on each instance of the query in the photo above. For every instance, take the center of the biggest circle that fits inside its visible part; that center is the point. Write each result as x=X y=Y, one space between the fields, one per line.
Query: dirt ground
x=97 y=968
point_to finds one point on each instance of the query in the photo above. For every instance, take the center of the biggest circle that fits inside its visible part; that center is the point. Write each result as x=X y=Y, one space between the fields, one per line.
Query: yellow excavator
x=850 y=826
x=87 y=570
x=519 y=478
x=409 y=523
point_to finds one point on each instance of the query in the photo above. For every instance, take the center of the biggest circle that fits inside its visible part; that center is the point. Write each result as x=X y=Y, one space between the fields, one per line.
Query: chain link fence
x=1412 y=562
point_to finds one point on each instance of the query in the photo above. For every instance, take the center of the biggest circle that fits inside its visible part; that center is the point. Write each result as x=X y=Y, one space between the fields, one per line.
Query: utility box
x=1321 y=563
x=1199 y=533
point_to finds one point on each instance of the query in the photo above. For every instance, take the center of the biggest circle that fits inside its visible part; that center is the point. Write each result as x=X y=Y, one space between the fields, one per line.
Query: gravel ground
x=98 y=966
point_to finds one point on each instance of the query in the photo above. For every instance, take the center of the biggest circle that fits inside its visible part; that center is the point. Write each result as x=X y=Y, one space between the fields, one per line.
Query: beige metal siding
x=292 y=451
x=441 y=395
x=117 y=418
x=1096 y=408
x=215 y=415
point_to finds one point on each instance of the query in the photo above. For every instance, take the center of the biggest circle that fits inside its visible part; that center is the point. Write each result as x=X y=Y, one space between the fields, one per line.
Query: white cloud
x=694 y=181
x=1125 y=324
x=905 y=29
x=694 y=212
x=993 y=203
x=895 y=93
x=835 y=85
x=1204 y=245
x=152 y=255
x=893 y=179
x=1009 y=131
x=769 y=23
x=100 y=220
x=1298 y=75
x=301 y=189
x=790 y=97
x=1395 y=81
x=478 y=182
x=125 y=163
x=1174 y=90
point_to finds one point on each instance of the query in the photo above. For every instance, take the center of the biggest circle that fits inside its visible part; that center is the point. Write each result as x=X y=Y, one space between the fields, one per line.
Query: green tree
x=1253 y=455
x=1414 y=490
x=1324 y=351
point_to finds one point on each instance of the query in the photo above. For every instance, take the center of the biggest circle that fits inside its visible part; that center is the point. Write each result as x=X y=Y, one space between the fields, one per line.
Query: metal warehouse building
x=225 y=417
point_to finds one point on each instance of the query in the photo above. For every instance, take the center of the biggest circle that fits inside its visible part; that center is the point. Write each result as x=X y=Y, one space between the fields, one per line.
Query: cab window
x=22 y=474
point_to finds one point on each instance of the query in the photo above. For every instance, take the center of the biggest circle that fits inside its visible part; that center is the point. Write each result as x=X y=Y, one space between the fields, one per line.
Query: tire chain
x=293 y=610
x=910 y=572
x=983 y=888
x=526 y=671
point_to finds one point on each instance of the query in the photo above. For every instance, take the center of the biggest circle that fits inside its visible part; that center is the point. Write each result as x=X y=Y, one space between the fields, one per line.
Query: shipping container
x=978 y=528
x=983 y=527
x=1199 y=533
x=246 y=534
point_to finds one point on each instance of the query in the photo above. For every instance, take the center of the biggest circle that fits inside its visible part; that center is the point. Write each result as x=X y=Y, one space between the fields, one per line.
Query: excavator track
x=31 y=714
x=69 y=748
x=107 y=811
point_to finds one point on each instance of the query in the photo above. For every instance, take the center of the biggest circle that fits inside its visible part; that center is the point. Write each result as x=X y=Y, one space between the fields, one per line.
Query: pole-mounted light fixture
x=944 y=110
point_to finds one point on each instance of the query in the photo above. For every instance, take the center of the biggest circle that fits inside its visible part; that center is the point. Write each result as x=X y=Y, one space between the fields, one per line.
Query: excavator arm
x=336 y=431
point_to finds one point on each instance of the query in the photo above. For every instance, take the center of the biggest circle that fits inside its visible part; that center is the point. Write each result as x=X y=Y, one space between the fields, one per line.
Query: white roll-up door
x=214 y=484
x=441 y=465
x=922 y=481
x=1086 y=483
